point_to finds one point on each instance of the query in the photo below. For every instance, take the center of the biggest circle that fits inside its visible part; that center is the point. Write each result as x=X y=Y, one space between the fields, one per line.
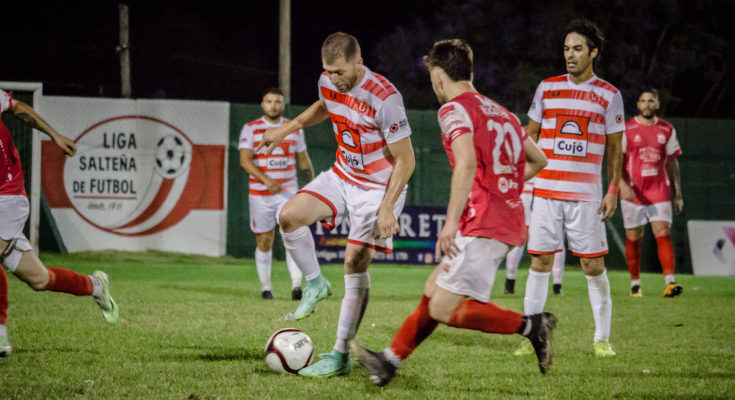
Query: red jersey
x=494 y=209
x=11 y=172
x=647 y=151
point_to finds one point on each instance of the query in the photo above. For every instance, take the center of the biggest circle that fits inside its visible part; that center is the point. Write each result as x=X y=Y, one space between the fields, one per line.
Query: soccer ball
x=289 y=350
x=171 y=156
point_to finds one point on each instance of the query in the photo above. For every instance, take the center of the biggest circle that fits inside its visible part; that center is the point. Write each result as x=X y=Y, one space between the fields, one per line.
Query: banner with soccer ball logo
x=148 y=174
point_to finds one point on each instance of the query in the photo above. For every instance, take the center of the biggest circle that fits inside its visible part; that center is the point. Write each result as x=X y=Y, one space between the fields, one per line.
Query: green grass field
x=194 y=328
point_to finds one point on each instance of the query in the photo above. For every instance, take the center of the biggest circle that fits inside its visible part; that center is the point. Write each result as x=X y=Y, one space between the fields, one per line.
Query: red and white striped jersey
x=280 y=164
x=11 y=172
x=365 y=120
x=648 y=150
x=494 y=208
x=575 y=119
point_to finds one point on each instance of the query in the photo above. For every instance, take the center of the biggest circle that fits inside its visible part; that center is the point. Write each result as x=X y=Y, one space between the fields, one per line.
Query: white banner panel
x=712 y=245
x=148 y=174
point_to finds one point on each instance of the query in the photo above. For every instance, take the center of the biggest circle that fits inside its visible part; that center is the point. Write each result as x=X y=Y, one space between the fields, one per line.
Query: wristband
x=613 y=189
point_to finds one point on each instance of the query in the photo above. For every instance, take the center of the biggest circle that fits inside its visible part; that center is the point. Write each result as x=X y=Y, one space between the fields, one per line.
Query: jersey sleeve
x=614 y=115
x=454 y=121
x=536 y=112
x=301 y=141
x=391 y=118
x=672 y=146
x=246 y=138
x=6 y=101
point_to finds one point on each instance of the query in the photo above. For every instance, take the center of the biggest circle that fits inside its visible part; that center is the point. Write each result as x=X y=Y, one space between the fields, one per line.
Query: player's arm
x=626 y=192
x=463 y=175
x=246 y=162
x=306 y=170
x=533 y=129
x=313 y=115
x=28 y=116
x=402 y=152
x=614 y=155
x=535 y=159
x=675 y=176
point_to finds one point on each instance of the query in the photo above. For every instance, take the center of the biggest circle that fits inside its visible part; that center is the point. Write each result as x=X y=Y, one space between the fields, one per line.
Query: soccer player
x=577 y=119
x=272 y=182
x=514 y=255
x=367 y=184
x=650 y=147
x=15 y=249
x=487 y=149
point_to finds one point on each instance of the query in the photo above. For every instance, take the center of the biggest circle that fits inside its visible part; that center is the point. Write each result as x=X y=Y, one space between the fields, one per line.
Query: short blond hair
x=338 y=45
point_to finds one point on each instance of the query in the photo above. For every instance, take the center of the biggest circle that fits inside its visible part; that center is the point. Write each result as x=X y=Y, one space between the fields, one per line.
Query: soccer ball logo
x=172 y=156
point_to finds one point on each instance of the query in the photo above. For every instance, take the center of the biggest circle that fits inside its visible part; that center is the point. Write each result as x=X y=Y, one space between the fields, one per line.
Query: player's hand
x=626 y=193
x=273 y=186
x=445 y=242
x=66 y=145
x=608 y=206
x=387 y=223
x=678 y=205
x=272 y=137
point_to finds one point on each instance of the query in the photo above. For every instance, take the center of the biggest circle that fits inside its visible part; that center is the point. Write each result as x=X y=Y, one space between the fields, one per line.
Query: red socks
x=417 y=327
x=485 y=317
x=3 y=296
x=666 y=254
x=66 y=281
x=633 y=256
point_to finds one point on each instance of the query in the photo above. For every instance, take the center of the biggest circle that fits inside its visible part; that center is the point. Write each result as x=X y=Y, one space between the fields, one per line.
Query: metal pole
x=284 y=49
x=124 y=49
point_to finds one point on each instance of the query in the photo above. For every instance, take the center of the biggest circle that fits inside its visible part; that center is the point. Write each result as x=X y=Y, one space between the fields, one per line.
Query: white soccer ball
x=171 y=156
x=289 y=350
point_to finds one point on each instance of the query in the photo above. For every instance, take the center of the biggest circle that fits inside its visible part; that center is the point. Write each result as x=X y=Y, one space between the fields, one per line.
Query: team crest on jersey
x=661 y=138
x=619 y=118
x=393 y=128
x=594 y=97
x=362 y=106
x=637 y=138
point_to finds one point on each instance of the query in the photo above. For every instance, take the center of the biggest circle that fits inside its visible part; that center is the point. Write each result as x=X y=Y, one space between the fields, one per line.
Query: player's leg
x=598 y=287
x=264 y=261
x=512 y=260
x=296 y=276
x=660 y=217
x=634 y=220
x=5 y=347
x=557 y=269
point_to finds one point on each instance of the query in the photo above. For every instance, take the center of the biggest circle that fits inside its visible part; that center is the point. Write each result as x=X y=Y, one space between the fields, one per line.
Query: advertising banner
x=414 y=244
x=712 y=246
x=148 y=174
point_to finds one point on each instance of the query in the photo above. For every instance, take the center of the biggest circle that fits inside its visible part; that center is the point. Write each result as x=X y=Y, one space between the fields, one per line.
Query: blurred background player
x=367 y=184
x=577 y=119
x=513 y=259
x=650 y=147
x=15 y=249
x=487 y=149
x=272 y=182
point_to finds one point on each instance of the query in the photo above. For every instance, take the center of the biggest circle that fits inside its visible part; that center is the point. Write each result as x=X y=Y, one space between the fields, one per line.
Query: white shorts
x=635 y=215
x=358 y=204
x=472 y=271
x=527 y=198
x=551 y=219
x=264 y=209
x=13 y=215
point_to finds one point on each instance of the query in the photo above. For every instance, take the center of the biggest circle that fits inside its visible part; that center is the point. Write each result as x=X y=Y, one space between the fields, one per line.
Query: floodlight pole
x=124 y=49
x=284 y=49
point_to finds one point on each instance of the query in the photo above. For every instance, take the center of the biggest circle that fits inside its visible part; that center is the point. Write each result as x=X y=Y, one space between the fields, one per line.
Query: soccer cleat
x=557 y=289
x=636 y=291
x=510 y=286
x=540 y=338
x=331 y=364
x=106 y=303
x=266 y=295
x=296 y=293
x=603 y=348
x=524 y=349
x=5 y=348
x=673 y=290
x=377 y=365
x=315 y=290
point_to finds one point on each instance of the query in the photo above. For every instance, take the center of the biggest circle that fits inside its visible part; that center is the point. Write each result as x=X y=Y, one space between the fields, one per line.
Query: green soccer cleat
x=603 y=348
x=315 y=290
x=5 y=348
x=106 y=303
x=331 y=364
x=524 y=349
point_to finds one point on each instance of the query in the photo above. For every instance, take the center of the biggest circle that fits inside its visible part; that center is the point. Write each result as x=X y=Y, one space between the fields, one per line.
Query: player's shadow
x=215 y=354
x=229 y=291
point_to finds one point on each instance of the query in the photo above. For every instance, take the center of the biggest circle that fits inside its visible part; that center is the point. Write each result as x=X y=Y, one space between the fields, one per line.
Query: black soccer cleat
x=296 y=293
x=557 y=288
x=541 y=338
x=510 y=286
x=266 y=295
x=380 y=369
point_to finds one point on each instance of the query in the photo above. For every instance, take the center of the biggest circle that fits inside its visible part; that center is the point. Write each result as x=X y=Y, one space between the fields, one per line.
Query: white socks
x=512 y=260
x=537 y=289
x=558 y=268
x=599 y=291
x=300 y=244
x=294 y=271
x=357 y=293
x=263 y=261
x=669 y=279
